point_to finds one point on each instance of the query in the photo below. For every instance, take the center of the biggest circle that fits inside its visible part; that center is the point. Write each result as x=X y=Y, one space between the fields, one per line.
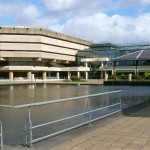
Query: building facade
x=35 y=53
x=30 y=53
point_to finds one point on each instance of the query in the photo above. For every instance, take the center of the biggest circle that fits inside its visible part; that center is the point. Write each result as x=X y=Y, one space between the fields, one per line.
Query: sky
x=115 y=21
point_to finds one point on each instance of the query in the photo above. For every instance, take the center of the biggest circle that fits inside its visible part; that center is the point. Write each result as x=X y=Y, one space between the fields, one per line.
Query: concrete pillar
x=44 y=76
x=101 y=74
x=69 y=75
x=106 y=77
x=32 y=77
x=86 y=75
x=78 y=74
x=57 y=75
x=86 y=65
x=49 y=75
x=130 y=77
x=11 y=75
x=29 y=75
x=102 y=64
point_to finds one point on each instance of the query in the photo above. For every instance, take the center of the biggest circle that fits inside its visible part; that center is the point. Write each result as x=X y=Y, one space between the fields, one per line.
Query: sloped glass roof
x=145 y=55
x=138 y=55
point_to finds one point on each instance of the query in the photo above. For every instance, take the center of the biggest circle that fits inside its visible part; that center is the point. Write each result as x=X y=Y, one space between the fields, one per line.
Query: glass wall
x=110 y=50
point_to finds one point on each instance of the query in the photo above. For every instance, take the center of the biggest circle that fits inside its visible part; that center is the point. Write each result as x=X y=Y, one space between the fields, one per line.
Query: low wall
x=130 y=83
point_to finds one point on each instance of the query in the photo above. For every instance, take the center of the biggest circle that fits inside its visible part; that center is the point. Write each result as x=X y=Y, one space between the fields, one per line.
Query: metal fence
x=29 y=127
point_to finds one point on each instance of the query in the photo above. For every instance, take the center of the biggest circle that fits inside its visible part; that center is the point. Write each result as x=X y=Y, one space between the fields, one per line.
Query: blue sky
x=117 y=21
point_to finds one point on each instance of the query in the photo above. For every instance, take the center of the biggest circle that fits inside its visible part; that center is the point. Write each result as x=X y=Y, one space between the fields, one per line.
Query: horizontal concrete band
x=43 y=32
x=36 y=39
x=31 y=68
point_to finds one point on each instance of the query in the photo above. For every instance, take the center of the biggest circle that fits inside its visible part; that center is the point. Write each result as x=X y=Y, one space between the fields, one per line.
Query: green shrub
x=147 y=75
x=123 y=76
x=75 y=78
x=112 y=76
x=136 y=77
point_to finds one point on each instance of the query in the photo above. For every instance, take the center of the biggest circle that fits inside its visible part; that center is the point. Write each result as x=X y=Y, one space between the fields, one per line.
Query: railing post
x=1 y=134
x=30 y=127
x=120 y=104
x=89 y=110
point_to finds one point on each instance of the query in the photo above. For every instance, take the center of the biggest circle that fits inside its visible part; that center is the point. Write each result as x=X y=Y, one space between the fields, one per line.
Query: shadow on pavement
x=140 y=110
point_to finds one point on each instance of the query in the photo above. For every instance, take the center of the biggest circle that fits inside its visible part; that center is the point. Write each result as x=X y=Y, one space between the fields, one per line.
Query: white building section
x=103 y=59
x=44 y=54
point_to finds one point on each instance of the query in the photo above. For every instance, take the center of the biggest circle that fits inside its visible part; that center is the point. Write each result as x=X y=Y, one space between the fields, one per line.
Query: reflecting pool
x=14 y=119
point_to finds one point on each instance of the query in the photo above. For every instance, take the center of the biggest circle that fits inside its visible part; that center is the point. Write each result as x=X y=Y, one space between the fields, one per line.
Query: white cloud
x=25 y=14
x=28 y=15
x=19 y=12
x=72 y=8
x=117 y=29
x=145 y=2
x=87 y=19
x=60 y=5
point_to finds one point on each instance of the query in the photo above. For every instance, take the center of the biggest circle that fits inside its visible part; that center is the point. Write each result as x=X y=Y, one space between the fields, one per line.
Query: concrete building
x=35 y=53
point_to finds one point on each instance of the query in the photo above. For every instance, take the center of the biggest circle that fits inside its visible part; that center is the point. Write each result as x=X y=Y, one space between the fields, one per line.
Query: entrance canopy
x=95 y=59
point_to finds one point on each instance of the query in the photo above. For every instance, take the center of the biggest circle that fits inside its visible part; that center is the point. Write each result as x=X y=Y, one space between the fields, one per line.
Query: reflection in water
x=15 y=95
x=11 y=88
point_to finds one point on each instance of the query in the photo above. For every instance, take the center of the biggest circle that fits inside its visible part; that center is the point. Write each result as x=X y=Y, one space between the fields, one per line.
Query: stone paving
x=127 y=133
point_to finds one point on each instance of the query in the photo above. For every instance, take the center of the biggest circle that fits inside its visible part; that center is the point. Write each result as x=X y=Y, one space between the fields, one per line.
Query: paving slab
x=129 y=132
x=123 y=131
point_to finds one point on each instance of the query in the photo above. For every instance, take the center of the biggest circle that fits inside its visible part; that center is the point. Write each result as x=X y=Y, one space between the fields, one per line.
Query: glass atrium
x=109 y=50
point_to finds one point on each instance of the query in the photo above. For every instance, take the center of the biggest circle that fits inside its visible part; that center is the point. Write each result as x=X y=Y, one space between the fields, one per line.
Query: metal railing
x=1 y=135
x=29 y=127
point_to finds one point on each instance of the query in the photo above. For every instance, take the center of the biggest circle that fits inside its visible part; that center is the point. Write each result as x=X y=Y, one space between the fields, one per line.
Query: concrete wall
x=19 y=42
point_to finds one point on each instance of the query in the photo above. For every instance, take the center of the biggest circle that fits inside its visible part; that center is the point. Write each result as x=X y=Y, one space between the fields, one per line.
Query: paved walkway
x=129 y=131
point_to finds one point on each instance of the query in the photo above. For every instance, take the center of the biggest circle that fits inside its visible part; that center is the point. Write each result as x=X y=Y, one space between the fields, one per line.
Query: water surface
x=14 y=119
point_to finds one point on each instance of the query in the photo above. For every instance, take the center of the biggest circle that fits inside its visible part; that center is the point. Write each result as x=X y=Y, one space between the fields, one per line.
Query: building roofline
x=42 y=31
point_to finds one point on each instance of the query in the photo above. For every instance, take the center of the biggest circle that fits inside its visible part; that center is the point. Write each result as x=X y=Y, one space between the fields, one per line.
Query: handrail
x=29 y=127
x=1 y=135
x=77 y=115
x=58 y=101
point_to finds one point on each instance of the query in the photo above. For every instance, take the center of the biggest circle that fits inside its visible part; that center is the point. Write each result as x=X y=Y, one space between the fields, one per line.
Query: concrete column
x=29 y=75
x=86 y=65
x=106 y=77
x=44 y=76
x=57 y=75
x=69 y=75
x=11 y=75
x=102 y=64
x=32 y=77
x=78 y=74
x=49 y=74
x=101 y=74
x=86 y=75
x=130 y=77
